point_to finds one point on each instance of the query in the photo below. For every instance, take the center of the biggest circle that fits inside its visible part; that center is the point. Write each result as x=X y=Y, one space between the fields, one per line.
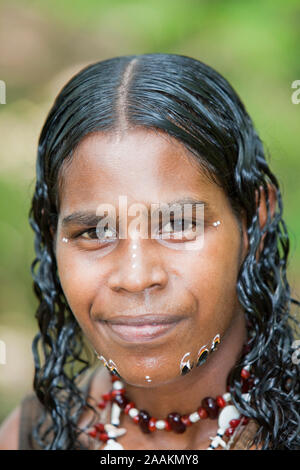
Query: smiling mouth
x=141 y=329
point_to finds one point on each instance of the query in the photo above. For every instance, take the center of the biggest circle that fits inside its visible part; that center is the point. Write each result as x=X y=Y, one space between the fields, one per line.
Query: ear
x=262 y=214
x=263 y=211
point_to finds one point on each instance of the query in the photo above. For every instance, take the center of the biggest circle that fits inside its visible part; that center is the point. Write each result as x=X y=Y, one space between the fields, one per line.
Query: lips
x=142 y=328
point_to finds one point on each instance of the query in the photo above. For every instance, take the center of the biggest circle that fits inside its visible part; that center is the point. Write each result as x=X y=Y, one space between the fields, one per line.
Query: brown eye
x=103 y=235
x=181 y=226
x=89 y=234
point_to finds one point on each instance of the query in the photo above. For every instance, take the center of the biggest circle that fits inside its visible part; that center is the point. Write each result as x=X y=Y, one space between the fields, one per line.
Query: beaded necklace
x=230 y=420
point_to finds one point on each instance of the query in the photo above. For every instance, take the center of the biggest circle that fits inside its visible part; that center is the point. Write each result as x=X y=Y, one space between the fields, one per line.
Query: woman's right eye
x=105 y=234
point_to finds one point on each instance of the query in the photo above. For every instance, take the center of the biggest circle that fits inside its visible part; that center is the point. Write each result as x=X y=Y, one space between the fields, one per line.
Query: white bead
x=216 y=441
x=114 y=434
x=133 y=412
x=118 y=385
x=111 y=444
x=194 y=417
x=113 y=431
x=227 y=396
x=115 y=414
x=160 y=424
x=226 y=415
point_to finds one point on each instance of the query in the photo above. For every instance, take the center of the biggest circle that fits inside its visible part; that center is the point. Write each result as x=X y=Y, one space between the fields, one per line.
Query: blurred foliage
x=255 y=45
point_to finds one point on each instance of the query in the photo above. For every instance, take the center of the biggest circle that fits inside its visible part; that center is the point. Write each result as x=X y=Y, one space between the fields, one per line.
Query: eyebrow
x=90 y=218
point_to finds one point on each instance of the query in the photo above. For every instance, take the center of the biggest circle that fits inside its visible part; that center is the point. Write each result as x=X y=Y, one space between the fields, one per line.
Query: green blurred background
x=255 y=45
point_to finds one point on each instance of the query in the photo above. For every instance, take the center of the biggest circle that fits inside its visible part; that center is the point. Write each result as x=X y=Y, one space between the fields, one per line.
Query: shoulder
x=9 y=430
x=15 y=431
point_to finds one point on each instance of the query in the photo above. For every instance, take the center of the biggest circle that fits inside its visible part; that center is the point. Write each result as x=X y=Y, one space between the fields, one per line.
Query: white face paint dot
x=65 y=240
x=216 y=223
x=148 y=378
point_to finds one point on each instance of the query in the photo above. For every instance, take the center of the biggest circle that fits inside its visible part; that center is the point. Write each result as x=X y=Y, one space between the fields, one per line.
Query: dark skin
x=200 y=286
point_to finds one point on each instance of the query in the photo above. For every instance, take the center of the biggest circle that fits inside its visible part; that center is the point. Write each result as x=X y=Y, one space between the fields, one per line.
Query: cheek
x=78 y=281
x=211 y=276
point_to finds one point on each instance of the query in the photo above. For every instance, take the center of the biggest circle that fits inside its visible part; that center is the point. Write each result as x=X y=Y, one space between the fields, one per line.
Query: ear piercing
x=110 y=365
x=215 y=224
x=202 y=355
x=185 y=366
x=215 y=343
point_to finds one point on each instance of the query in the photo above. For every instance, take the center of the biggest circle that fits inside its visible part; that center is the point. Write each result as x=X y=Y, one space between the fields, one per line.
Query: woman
x=193 y=326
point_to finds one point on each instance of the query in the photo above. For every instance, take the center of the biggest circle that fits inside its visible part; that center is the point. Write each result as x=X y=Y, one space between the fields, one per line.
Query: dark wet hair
x=191 y=102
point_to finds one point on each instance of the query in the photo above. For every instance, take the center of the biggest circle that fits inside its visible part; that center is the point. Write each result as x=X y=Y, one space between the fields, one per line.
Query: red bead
x=167 y=426
x=229 y=431
x=245 y=374
x=99 y=427
x=106 y=396
x=128 y=407
x=101 y=405
x=186 y=420
x=93 y=433
x=234 y=423
x=175 y=422
x=210 y=405
x=202 y=412
x=151 y=424
x=103 y=437
x=220 y=401
x=136 y=419
x=114 y=378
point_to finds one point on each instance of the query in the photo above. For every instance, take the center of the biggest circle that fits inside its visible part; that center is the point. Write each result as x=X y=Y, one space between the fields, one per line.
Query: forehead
x=144 y=165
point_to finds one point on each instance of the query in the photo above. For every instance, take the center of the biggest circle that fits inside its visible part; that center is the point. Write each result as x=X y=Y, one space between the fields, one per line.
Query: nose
x=139 y=269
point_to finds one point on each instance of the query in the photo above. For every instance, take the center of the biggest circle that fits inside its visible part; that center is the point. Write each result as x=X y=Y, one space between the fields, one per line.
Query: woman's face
x=148 y=308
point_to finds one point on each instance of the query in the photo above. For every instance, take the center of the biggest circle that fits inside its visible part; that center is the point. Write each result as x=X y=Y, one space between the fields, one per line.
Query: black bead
x=121 y=400
x=144 y=419
x=174 y=419
x=211 y=407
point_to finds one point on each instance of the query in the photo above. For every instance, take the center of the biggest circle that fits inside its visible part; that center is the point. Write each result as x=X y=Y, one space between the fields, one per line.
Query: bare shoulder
x=9 y=430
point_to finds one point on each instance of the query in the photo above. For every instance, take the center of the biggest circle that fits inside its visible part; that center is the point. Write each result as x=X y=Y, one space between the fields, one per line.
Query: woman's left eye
x=180 y=225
